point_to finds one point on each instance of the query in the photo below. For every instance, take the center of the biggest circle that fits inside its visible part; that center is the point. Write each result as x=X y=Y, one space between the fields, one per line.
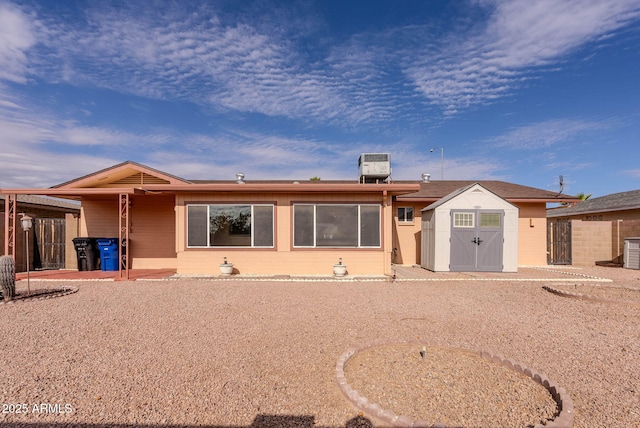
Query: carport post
x=10 y=203
x=123 y=238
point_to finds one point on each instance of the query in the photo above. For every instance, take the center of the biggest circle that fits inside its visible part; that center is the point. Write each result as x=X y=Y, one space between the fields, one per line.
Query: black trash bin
x=87 y=253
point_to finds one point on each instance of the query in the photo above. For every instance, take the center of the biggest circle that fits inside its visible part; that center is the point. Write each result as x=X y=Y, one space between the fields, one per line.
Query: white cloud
x=16 y=37
x=549 y=133
x=477 y=65
x=259 y=65
x=633 y=173
x=198 y=58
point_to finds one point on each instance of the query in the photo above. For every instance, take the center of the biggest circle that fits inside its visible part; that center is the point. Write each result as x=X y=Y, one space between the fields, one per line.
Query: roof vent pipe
x=240 y=178
x=425 y=177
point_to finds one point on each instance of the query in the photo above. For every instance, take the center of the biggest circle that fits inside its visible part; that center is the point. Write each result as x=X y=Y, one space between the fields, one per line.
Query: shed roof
x=614 y=202
x=455 y=194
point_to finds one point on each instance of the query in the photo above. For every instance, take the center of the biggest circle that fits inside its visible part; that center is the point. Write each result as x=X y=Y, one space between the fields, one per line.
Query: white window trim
x=413 y=216
x=464 y=226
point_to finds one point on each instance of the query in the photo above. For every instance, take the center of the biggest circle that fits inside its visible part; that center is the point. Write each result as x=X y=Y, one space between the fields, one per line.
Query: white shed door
x=477 y=240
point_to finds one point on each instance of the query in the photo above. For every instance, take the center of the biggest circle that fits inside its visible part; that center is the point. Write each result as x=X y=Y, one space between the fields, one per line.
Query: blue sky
x=522 y=90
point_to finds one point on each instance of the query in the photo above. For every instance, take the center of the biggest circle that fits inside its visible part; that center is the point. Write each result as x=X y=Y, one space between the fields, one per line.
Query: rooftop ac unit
x=373 y=167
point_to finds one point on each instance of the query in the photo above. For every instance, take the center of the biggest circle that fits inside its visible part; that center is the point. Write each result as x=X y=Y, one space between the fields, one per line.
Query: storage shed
x=471 y=229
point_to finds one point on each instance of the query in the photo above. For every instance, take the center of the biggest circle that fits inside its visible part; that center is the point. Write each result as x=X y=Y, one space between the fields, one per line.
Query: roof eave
x=512 y=200
x=70 y=193
x=394 y=189
x=552 y=213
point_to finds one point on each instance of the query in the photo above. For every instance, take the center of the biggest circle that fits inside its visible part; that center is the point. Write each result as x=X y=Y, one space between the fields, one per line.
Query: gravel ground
x=242 y=353
x=448 y=386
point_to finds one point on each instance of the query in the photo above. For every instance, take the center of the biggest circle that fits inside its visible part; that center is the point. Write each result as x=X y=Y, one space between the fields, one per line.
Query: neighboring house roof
x=435 y=190
x=614 y=202
x=45 y=202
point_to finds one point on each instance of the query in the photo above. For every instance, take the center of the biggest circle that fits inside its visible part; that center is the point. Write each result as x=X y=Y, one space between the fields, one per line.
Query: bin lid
x=107 y=241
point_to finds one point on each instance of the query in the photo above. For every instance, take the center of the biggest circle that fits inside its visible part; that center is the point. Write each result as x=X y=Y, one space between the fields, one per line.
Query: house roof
x=45 y=202
x=435 y=190
x=614 y=202
x=134 y=178
x=123 y=174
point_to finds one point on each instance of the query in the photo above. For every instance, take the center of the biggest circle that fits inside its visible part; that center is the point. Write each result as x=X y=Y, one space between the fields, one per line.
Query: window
x=229 y=225
x=463 y=220
x=490 y=220
x=336 y=225
x=405 y=214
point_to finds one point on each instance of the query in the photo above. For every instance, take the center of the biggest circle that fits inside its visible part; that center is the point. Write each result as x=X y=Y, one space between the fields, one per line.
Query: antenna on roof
x=561 y=182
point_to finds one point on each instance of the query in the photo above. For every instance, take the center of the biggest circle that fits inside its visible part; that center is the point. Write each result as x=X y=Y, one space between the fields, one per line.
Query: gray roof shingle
x=614 y=202
x=438 y=189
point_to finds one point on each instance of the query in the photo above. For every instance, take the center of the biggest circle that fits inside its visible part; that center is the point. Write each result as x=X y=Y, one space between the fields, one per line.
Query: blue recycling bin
x=109 y=258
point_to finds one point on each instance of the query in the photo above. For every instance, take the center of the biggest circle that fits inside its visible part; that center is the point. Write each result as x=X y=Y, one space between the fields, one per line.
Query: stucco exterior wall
x=151 y=229
x=532 y=230
x=99 y=218
x=284 y=259
x=407 y=236
x=152 y=232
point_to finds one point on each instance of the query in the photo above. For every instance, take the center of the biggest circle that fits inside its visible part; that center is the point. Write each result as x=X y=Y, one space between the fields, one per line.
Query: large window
x=229 y=225
x=336 y=225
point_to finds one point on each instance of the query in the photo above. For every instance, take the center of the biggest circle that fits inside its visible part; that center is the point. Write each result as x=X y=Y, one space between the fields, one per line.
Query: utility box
x=632 y=253
x=374 y=167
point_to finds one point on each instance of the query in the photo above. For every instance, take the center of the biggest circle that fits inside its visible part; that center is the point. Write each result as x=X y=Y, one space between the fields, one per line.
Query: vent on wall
x=141 y=178
x=374 y=167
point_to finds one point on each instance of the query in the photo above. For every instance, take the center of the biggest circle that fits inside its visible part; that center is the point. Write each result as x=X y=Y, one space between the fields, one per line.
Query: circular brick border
x=559 y=394
x=589 y=297
x=44 y=294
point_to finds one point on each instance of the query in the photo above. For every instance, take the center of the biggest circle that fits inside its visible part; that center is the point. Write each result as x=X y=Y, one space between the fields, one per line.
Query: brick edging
x=564 y=420
x=56 y=293
x=588 y=297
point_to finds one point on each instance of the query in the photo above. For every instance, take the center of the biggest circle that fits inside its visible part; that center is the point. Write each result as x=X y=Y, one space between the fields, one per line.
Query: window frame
x=252 y=225
x=464 y=217
x=314 y=221
x=403 y=219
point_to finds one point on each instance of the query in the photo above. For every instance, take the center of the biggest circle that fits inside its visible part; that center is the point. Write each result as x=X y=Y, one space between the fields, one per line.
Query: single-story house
x=616 y=206
x=594 y=231
x=277 y=226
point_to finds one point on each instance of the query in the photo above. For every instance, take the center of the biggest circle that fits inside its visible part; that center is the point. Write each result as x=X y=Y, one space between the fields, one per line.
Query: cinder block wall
x=590 y=242
x=593 y=241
